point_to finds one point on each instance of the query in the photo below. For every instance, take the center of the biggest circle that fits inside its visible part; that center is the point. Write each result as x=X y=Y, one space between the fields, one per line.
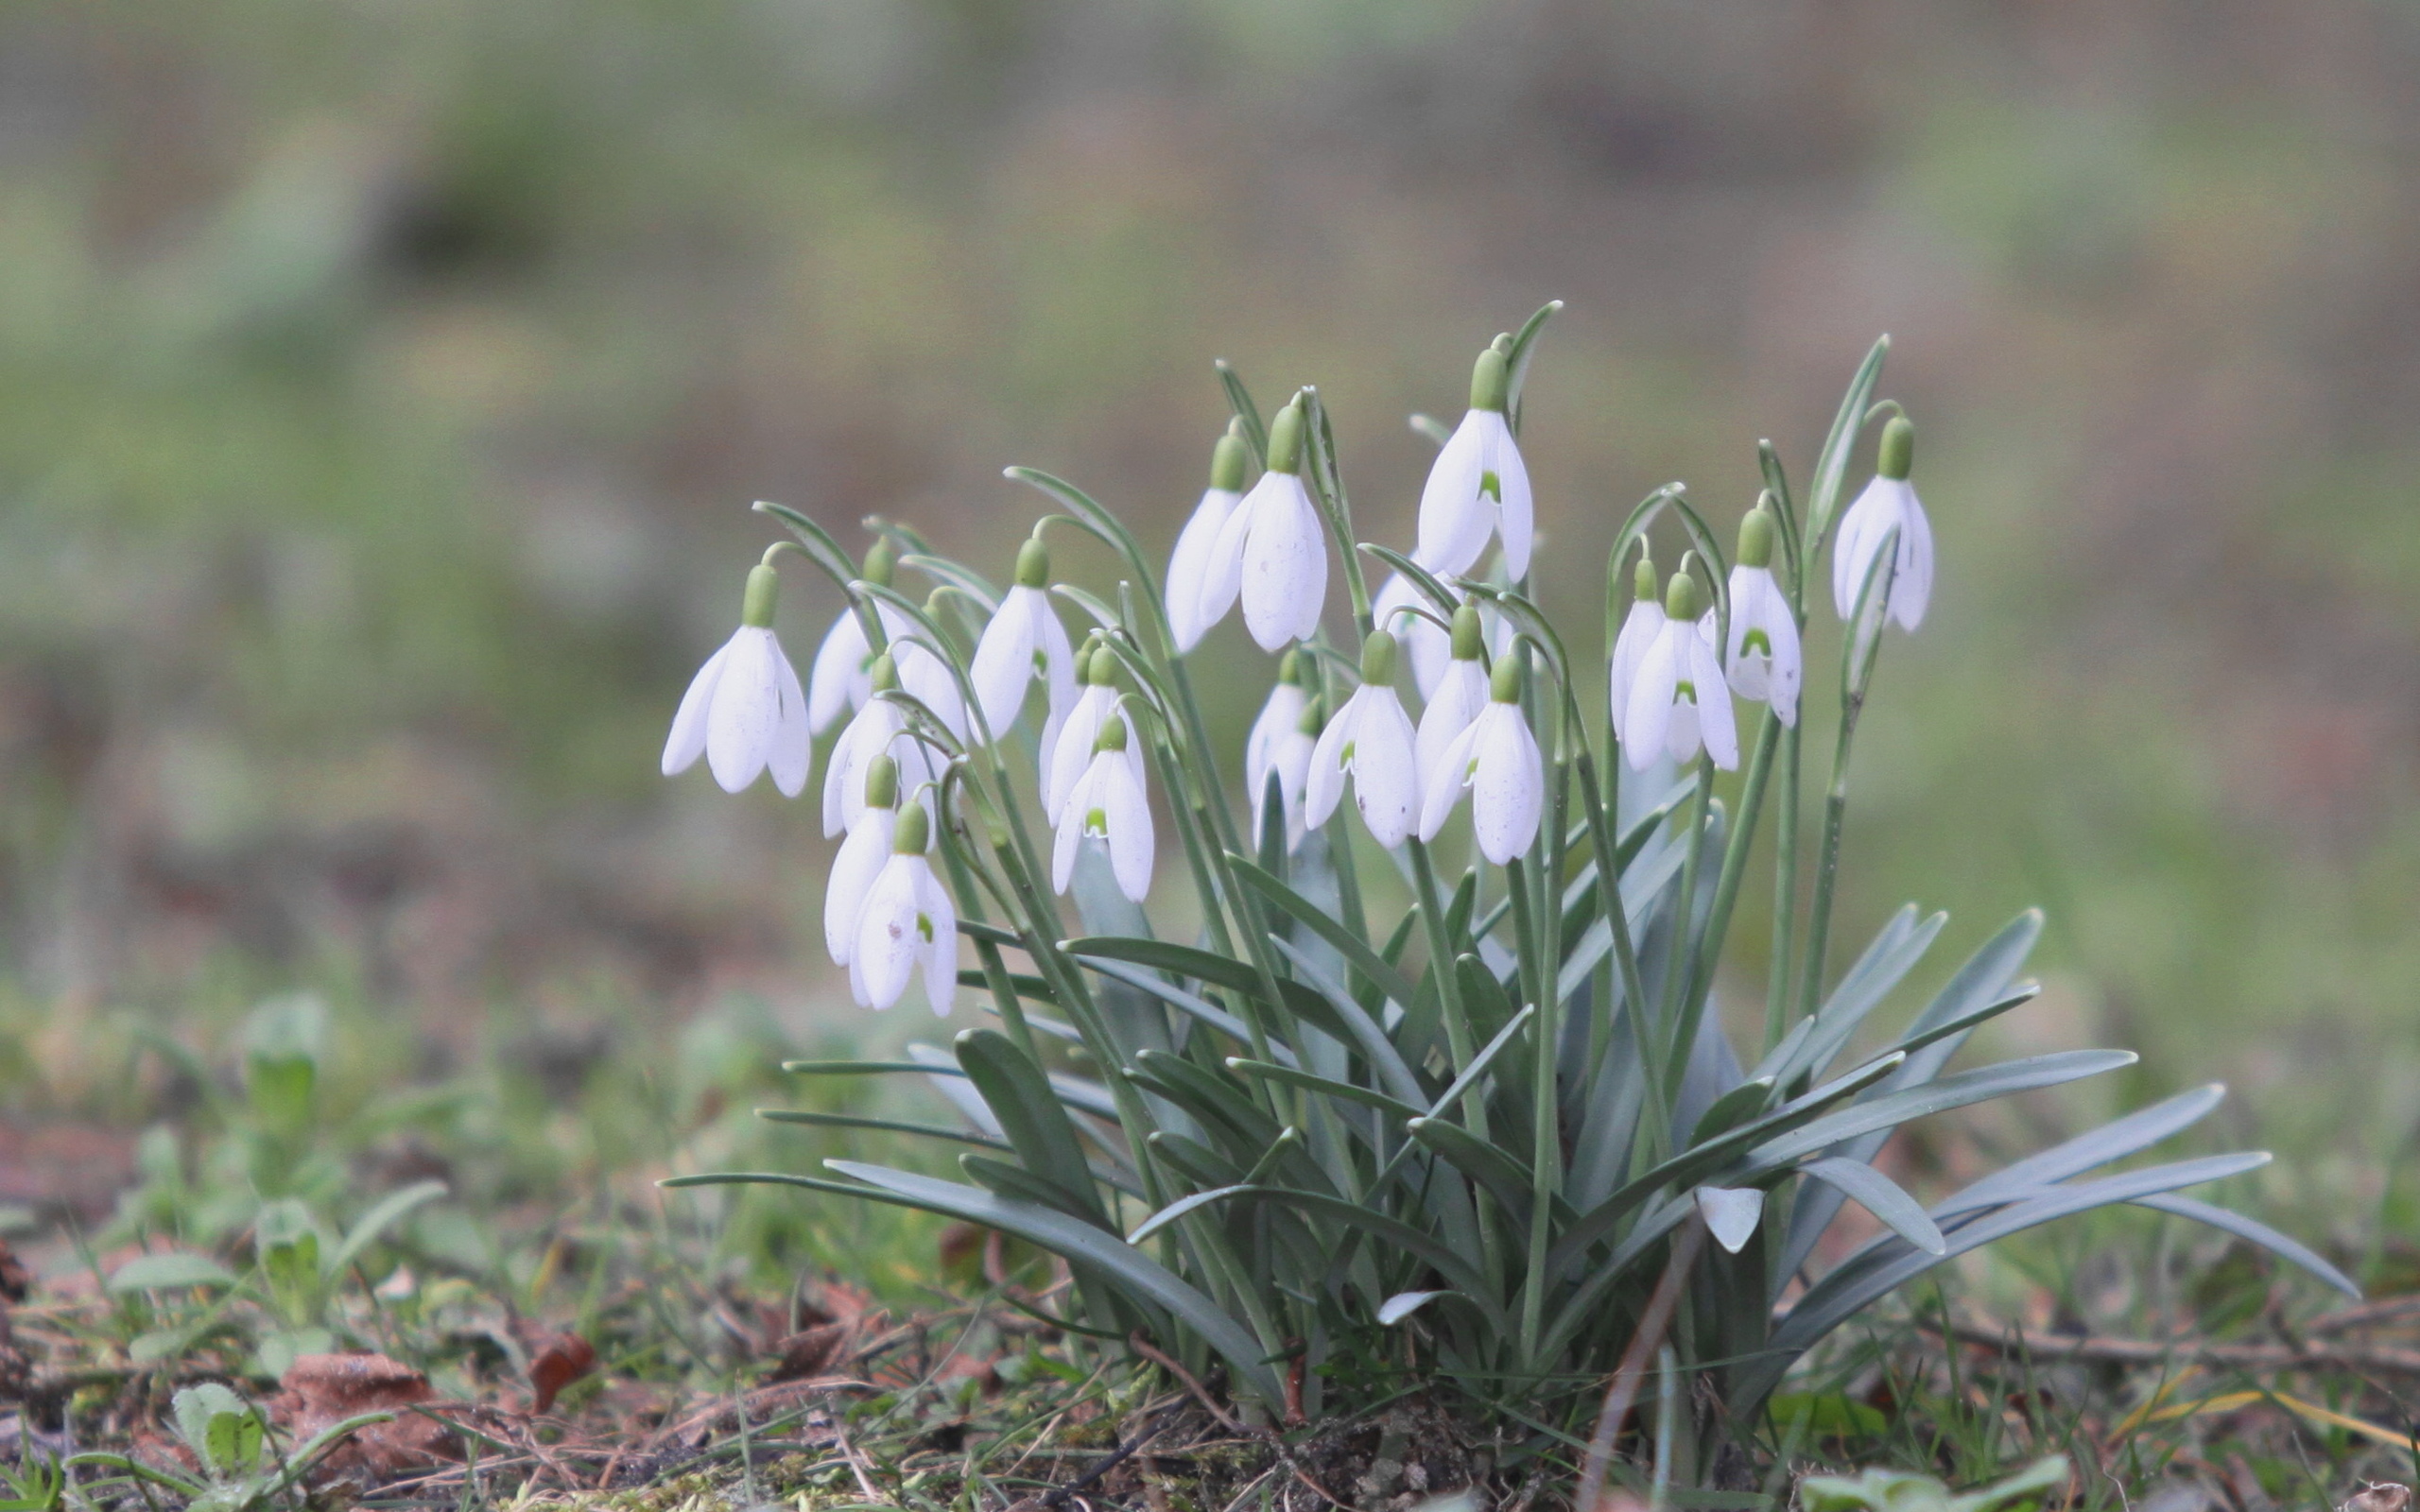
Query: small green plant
x=1411 y=1109
x=238 y=1468
x=1879 y=1491
x=36 y=1484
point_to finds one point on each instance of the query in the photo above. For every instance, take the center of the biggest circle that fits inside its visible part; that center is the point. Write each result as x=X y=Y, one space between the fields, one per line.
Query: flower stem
x=1735 y=859
x=1785 y=890
x=1827 y=860
x=1677 y=956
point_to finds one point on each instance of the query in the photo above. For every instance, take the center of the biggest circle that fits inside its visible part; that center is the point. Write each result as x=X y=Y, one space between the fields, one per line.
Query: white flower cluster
x=1672 y=675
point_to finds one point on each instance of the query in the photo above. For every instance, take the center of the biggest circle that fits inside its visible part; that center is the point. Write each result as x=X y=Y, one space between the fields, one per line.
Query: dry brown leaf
x=810 y=1351
x=320 y=1389
x=557 y=1360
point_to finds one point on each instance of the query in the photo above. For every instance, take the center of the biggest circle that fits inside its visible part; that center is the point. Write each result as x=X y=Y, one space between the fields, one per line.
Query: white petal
x=1862 y=529
x=1442 y=783
x=1222 y=574
x=1649 y=721
x=1283 y=565
x=1279 y=713
x=793 y=742
x=1461 y=696
x=1639 y=631
x=1073 y=751
x=1291 y=761
x=936 y=924
x=688 y=739
x=1759 y=605
x=887 y=949
x=927 y=679
x=1189 y=564
x=1453 y=517
x=1324 y=781
x=1512 y=511
x=1069 y=820
x=1128 y=815
x=839 y=678
x=1386 y=783
x=874 y=730
x=1681 y=737
x=746 y=709
x=1731 y=1214
x=1913 y=590
x=1715 y=724
x=1003 y=666
x=1508 y=784
x=854 y=871
x=1059 y=665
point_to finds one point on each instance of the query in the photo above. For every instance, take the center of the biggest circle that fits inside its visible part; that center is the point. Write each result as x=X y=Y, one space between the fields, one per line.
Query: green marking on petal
x=1344 y=757
x=1492 y=486
x=925 y=928
x=1757 y=641
x=1685 y=690
x=1096 y=822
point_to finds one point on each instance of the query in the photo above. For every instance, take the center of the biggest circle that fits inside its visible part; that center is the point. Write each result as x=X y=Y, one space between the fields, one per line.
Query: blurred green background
x=383 y=388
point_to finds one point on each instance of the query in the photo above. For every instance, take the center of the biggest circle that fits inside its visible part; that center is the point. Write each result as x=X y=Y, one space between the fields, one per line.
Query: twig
x=2382 y=1358
x=1059 y=1496
x=2367 y=1314
x=1142 y=1347
x=1623 y=1389
x=856 y=1464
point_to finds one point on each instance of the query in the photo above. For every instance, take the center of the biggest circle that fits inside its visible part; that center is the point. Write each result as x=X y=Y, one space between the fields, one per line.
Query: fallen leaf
x=320 y=1389
x=557 y=1360
x=810 y=1351
x=2380 y=1496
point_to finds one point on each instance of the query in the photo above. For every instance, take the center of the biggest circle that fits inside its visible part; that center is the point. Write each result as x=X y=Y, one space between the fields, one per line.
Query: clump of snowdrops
x=1323 y=1151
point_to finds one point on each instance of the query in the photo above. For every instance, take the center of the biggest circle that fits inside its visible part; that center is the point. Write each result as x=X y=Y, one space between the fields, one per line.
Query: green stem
x=1735 y=860
x=1543 y=1143
x=1609 y=894
x=1828 y=861
x=1677 y=956
x=1784 y=891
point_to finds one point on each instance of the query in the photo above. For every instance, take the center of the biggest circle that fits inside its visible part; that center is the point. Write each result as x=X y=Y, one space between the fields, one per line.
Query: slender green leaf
x=1832 y=462
x=1884 y=1198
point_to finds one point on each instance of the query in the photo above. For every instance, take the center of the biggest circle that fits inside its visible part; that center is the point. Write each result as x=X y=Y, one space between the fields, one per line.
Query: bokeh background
x=383 y=388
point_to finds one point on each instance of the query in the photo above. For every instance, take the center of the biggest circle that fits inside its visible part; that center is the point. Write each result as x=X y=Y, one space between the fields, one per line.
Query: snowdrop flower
x=842 y=676
x=1278 y=715
x=743 y=711
x=1272 y=550
x=1198 y=542
x=1023 y=641
x=880 y=729
x=1068 y=756
x=1478 y=483
x=1638 y=633
x=1679 y=700
x=926 y=677
x=1888 y=503
x=861 y=859
x=1430 y=643
x=1107 y=802
x=1289 y=763
x=1763 y=664
x=907 y=925
x=1496 y=758
x=1371 y=737
x=1459 y=697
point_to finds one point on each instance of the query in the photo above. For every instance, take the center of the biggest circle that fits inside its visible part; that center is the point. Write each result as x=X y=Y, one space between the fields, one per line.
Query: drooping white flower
x=1290 y=768
x=1461 y=694
x=1070 y=752
x=1023 y=641
x=1680 y=699
x=861 y=859
x=879 y=729
x=1279 y=713
x=1430 y=643
x=1196 y=546
x=1763 y=660
x=907 y=925
x=1107 y=804
x=1497 y=759
x=1479 y=485
x=1888 y=503
x=1272 y=549
x=1644 y=623
x=842 y=676
x=1371 y=737
x=744 y=712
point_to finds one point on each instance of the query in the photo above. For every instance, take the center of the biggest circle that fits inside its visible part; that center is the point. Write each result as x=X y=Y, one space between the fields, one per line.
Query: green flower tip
x=1229 y=459
x=1504 y=684
x=885 y=673
x=1033 y=564
x=1899 y=454
x=1503 y=343
x=1491 y=381
x=1378 y=659
x=882 y=783
x=1757 y=539
x=756 y=604
x=908 y=836
x=1469 y=641
x=1642 y=580
x=1290 y=667
x=882 y=562
x=1313 y=717
x=1681 y=599
x=1102 y=669
x=1113 y=734
x=1285 y=439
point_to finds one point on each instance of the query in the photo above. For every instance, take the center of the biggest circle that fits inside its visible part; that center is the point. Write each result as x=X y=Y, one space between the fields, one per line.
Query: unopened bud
x=1757 y=539
x=908 y=836
x=1033 y=564
x=1504 y=683
x=756 y=604
x=885 y=673
x=1470 y=640
x=882 y=783
x=1378 y=659
x=1229 y=459
x=882 y=562
x=1285 y=439
x=1491 y=381
x=1898 y=455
